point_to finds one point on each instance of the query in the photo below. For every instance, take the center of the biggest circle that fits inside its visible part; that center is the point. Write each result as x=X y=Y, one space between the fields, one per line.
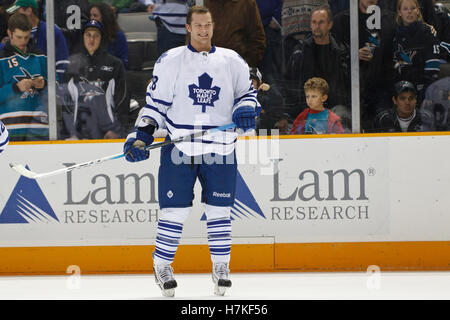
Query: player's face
x=315 y=99
x=408 y=12
x=92 y=38
x=95 y=14
x=320 y=26
x=201 y=29
x=406 y=103
x=19 y=39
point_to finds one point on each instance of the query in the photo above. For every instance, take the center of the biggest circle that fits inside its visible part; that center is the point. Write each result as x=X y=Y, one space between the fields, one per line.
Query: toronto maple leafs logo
x=26 y=75
x=204 y=95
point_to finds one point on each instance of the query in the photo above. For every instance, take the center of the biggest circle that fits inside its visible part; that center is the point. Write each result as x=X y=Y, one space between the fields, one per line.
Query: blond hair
x=318 y=84
x=398 y=19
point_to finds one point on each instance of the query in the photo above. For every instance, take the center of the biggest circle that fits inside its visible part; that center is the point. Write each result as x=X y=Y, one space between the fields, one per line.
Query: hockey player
x=4 y=138
x=198 y=86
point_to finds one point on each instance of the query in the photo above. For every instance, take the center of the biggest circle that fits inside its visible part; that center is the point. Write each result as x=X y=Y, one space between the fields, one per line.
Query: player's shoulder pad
x=170 y=55
x=231 y=55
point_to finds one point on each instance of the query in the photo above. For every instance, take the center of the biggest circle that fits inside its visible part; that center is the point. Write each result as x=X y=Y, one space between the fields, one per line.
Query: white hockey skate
x=164 y=279
x=220 y=275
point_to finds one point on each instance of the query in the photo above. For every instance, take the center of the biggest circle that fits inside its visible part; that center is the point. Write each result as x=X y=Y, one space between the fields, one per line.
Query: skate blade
x=168 y=292
x=219 y=291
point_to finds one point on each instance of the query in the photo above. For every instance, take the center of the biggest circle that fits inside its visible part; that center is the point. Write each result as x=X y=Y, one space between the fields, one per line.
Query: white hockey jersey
x=4 y=138
x=193 y=91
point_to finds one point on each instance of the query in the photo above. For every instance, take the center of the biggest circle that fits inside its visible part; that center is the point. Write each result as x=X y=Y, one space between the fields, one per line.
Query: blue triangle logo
x=27 y=204
x=245 y=205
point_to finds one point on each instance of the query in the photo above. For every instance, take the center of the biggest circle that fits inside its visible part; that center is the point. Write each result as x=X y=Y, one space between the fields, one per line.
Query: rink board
x=315 y=203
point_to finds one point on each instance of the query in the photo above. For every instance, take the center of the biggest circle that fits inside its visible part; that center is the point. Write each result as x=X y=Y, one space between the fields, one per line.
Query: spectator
x=437 y=104
x=119 y=6
x=271 y=19
x=404 y=115
x=23 y=82
x=425 y=6
x=39 y=34
x=170 y=20
x=375 y=56
x=238 y=26
x=319 y=56
x=96 y=98
x=271 y=101
x=296 y=22
x=70 y=16
x=117 y=44
x=443 y=31
x=4 y=4
x=316 y=119
x=415 y=48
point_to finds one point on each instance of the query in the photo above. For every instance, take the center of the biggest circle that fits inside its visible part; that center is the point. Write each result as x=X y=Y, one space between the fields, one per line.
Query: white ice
x=246 y=286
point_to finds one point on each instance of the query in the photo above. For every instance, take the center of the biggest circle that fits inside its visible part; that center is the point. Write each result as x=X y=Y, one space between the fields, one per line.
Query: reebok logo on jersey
x=204 y=94
x=221 y=195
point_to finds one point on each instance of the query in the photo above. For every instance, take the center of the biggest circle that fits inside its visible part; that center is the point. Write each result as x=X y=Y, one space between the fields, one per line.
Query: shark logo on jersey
x=403 y=58
x=90 y=89
x=204 y=95
x=26 y=75
x=245 y=205
x=27 y=204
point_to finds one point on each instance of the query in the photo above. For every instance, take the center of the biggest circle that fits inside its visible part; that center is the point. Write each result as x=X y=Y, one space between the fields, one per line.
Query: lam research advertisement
x=288 y=190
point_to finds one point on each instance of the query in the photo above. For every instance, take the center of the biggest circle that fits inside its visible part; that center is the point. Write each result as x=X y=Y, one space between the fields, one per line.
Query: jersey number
x=13 y=63
x=436 y=49
x=154 y=81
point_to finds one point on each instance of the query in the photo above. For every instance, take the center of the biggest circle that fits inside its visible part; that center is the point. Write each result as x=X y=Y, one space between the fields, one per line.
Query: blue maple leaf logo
x=204 y=95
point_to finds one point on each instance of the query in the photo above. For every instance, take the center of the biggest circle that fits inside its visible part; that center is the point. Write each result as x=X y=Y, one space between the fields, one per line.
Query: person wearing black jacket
x=319 y=56
x=415 y=48
x=375 y=56
x=95 y=96
x=404 y=116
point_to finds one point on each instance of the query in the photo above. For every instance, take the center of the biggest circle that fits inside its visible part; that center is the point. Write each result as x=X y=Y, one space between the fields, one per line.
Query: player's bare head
x=318 y=84
x=200 y=25
x=19 y=31
x=197 y=10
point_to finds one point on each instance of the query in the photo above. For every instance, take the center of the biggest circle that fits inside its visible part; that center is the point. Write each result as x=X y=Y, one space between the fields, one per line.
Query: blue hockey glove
x=244 y=118
x=134 y=147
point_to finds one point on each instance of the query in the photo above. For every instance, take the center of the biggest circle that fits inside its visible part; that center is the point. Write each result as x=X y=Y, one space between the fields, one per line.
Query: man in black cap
x=404 y=116
x=95 y=96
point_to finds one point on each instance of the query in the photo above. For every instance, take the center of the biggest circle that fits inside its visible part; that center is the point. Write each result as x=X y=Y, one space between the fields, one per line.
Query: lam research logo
x=245 y=205
x=27 y=204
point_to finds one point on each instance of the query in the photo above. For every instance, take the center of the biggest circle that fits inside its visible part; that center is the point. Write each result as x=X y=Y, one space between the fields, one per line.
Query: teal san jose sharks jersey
x=24 y=114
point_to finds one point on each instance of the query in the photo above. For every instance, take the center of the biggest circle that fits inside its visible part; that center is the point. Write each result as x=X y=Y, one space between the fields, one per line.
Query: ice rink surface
x=246 y=286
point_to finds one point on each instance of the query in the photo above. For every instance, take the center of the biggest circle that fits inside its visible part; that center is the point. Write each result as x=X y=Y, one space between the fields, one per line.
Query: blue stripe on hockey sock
x=167 y=239
x=219 y=238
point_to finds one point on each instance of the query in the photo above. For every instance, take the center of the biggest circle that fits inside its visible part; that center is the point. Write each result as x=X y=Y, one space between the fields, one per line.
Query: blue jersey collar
x=190 y=47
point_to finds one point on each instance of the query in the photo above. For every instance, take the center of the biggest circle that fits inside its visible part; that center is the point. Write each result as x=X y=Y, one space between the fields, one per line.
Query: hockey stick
x=20 y=168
